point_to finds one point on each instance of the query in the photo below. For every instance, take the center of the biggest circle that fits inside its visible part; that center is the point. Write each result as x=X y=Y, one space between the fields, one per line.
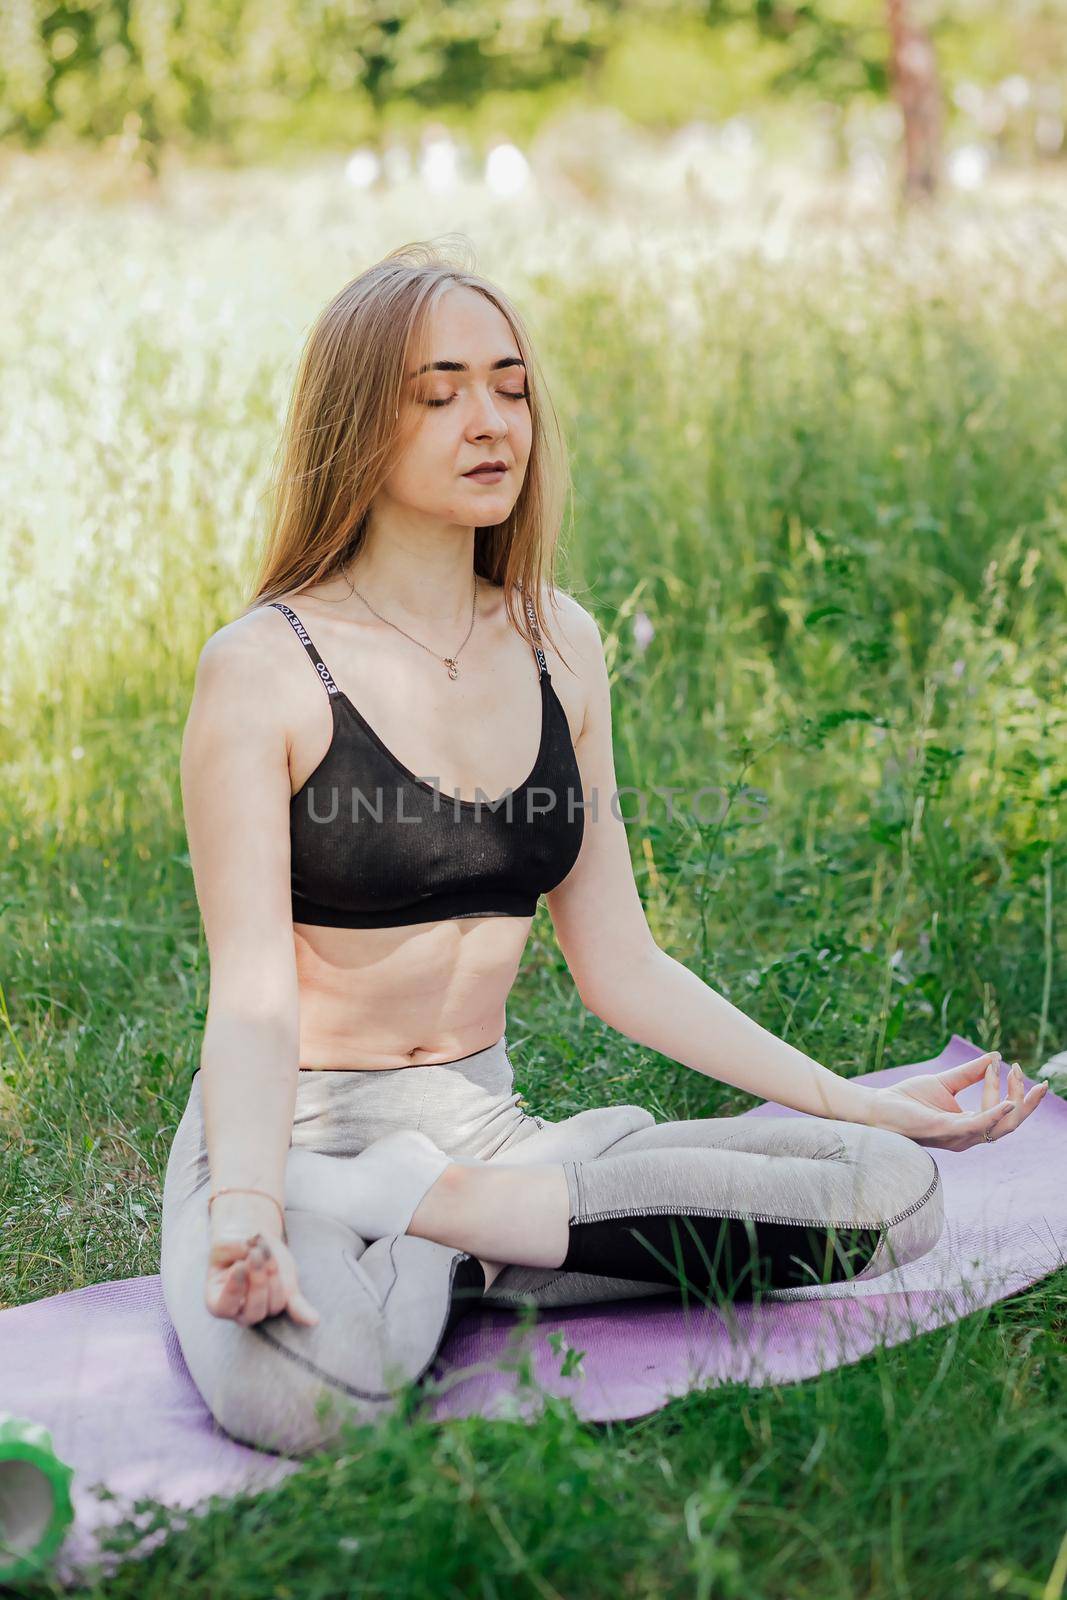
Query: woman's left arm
x=662 y=1004
x=626 y=979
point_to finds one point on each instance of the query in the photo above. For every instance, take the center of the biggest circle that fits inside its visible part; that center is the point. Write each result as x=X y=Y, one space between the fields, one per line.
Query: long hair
x=342 y=435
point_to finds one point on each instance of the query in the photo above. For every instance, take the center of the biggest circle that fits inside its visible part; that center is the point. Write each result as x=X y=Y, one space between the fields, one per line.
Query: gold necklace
x=451 y=662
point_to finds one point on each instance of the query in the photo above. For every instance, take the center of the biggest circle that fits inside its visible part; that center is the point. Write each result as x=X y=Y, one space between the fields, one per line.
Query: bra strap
x=305 y=639
x=538 y=652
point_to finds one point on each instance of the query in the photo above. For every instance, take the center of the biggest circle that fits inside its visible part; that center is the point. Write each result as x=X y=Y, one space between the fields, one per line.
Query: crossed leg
x=609 y=1203
x=581 y=1224
x=725 y=1205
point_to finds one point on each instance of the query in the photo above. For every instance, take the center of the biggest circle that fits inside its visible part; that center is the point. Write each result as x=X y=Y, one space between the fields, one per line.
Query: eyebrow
x=462 y=366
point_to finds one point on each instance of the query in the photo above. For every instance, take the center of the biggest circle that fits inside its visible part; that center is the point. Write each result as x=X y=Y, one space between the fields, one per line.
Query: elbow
x=619 y=983
x=265 y=1032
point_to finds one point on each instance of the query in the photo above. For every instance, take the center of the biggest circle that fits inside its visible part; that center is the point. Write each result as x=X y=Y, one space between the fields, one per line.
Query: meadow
x=820 y=511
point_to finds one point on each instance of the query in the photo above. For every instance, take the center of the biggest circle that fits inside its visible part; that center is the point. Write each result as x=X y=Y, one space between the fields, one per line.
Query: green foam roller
x=35 y=1504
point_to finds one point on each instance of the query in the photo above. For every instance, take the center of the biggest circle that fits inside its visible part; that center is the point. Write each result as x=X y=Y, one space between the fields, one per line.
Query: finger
x=970 y=1127
x=991 y=1086
x=1029 y=1094
x=1028 y=1103
x=278 y=1294
x=1017 y=1095
x=238 y=1283
x=230 y=1293
x=991 y=1119
x=302 y=1310
x=956 y=1078
x=272 y=1281
x=224 y=1252
x=252 y=1308
x=255 y=1307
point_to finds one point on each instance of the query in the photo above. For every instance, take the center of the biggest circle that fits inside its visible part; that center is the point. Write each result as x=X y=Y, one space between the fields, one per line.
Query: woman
x=353 y=1167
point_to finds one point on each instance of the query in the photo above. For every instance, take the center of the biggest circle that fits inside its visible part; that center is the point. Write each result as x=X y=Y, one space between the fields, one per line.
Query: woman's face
x=470 y=406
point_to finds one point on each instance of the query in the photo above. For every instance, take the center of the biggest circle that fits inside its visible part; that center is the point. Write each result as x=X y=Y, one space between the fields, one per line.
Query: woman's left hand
x=925 y=1108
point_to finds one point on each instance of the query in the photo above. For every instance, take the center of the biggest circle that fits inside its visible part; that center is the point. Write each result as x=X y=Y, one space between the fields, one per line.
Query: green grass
x=834 y=478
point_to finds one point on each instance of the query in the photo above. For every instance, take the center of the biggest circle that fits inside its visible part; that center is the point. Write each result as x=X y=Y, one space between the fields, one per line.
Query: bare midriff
x=372 y=999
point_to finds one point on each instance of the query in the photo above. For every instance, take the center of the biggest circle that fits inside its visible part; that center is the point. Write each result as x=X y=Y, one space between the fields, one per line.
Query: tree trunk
x=913 y=75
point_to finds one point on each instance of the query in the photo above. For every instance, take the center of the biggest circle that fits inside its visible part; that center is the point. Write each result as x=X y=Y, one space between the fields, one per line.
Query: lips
x=486 y=466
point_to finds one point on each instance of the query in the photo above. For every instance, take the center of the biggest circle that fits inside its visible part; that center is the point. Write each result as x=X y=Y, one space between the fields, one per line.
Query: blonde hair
x=342 y=436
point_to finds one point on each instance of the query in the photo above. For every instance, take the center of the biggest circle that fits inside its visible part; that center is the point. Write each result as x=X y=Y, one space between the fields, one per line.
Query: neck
x=411 y=572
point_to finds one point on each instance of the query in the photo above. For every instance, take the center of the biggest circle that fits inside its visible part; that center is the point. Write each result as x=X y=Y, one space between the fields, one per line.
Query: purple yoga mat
x=101 y=1368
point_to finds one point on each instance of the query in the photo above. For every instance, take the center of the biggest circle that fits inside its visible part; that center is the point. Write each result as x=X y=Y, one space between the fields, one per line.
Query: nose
x=488 y=417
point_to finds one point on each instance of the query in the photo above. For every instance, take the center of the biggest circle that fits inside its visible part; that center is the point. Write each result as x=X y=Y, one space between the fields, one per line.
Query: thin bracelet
x=235 y=1189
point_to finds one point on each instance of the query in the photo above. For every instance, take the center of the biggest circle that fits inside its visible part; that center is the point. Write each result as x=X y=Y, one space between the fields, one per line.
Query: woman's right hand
x=251 y=1271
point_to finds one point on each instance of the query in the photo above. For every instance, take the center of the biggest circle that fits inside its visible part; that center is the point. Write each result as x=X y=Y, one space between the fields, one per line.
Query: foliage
x=249 y=77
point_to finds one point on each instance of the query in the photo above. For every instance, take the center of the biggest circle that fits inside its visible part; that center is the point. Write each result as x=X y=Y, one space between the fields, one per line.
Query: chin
x=498 y=506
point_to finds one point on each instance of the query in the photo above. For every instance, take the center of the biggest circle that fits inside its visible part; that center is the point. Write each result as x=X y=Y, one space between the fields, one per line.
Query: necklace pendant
x=453 y=670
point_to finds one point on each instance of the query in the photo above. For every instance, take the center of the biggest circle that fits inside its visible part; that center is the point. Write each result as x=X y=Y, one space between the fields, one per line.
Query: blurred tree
x=248 y=74
x=842 y=47
x=203 y=67
x=918 y=93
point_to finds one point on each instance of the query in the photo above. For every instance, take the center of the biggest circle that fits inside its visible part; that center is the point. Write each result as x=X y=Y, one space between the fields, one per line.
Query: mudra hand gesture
x=926 y=1109
x=251 y=1272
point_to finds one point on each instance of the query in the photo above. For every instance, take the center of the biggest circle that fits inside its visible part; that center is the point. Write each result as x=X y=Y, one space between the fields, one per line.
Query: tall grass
x=824 y=470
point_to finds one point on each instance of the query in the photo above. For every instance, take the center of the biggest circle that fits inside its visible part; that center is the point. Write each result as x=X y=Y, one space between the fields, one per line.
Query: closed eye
x=506 y=394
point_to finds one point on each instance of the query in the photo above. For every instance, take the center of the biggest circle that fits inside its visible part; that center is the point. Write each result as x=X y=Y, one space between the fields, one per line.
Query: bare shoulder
x=245 y=638
x=577 y=629
x=582 y=662
x=246 y=695
x=245 y=660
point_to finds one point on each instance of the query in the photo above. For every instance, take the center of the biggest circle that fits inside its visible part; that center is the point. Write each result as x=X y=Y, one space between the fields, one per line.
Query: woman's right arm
x=235 y=794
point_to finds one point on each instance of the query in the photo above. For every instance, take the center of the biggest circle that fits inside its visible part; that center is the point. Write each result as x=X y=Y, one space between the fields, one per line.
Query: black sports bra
x=373 y=846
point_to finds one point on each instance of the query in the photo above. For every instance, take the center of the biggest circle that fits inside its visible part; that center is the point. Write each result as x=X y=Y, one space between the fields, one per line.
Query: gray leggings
x=719 y=1207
